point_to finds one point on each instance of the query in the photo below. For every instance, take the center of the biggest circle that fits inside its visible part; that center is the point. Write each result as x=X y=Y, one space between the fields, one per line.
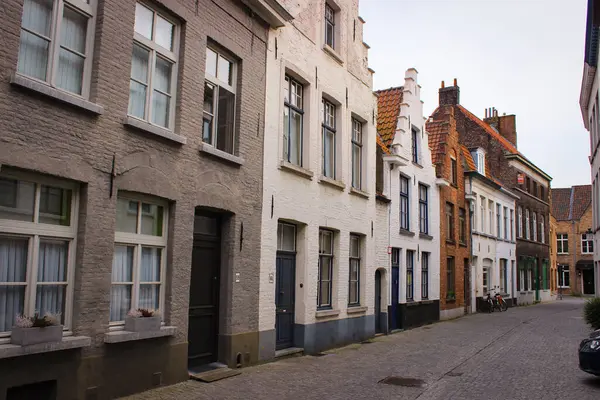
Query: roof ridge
x=571 y=203
x=390 y=88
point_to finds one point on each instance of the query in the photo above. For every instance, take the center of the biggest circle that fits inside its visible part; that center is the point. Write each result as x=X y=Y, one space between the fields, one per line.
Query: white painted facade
x=298 y=193
x=493 y=265
x=399 y=163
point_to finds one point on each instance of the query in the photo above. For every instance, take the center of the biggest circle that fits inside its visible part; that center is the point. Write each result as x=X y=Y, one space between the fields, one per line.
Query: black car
x=589 y=354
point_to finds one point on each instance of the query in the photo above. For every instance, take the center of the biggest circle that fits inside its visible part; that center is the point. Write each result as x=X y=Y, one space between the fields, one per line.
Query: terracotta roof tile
x=582 y=198
x=561 y=203
x=470 y=164
x=437 y=132
x=496 y=135
x=571 y=203
x=382 y=145
x=388 y=110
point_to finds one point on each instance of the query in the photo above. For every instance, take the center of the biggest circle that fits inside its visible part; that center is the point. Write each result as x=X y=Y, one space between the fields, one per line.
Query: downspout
x=471 y=212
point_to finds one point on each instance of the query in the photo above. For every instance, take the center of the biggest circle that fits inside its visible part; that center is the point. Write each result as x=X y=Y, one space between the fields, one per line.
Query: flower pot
x=142 y=324
x=29 y=336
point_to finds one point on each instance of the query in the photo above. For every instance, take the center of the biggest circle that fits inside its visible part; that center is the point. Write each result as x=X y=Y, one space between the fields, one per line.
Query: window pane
x=73 y=30
x=329 y=154
x=353 y=293
x=70 y=71
x=325 y=242
x=324 y=295
x=150 y=268
x=295 y=138
x=160 y=109
x=122 y=268
x=33 y=56
x=144 y=19
x=12 y=303
x=37 y=16
x=16 y=199
x=354 y=246
x=225 y=120
x=51 y=299
x=127 y=213
x=211 y=62
x=139 y=63
x=209 y=96
x=162 y=75
x=286 y=236
x=356 y=161
x=225 y=70
x=286 y=133
x=55 y=206
x=13 y=260
x=324 y=273
x=164 y=33
x=152 y=219
x=52 y=261
x=329 y=32
x=354 y=264
x=120 y=302
x=149 y=297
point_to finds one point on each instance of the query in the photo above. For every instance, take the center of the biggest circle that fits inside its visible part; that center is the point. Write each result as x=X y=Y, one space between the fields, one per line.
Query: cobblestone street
x=525 y=353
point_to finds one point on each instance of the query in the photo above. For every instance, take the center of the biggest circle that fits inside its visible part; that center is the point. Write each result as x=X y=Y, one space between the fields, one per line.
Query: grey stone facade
x=90 y=142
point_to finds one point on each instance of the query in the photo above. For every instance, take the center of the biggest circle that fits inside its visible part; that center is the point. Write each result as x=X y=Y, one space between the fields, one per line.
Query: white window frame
x=36 y=231
x=505 y=223
x=491 y=211
x=498 y=220
x=326 y=20
x=474 y=217
x=485 y=280
x=512 y=224
x=355 y=258
x=527 y=226
x=218 y=83
x=565 y=269
x=291 y=107
x=325 y=256
x=542 y=229
x=562 y=238
x=172 y=56
x=482 y=209
x=479 y=157
x=535 y=233
x=585 y=244
x=520 y=222
x=357 y=132
x=329 y=127
x=85 y=9
x=139 y=240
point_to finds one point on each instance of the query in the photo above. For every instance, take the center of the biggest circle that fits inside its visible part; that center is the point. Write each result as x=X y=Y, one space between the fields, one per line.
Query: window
x=57 y=43
x=527 y=226
x=328 y=139
x=485 y=280
x=498 y=221
x=479 y=158
x=563 y=276
x=512 y=224
x=474 y=213
x=395 y=257
x=482 y=209
x=449 y=221
x=218 y=128
x=587 y=243
x=562 y=243
x=423 y=210
x=139 y=259
x=329 y=26
x=503 y=275
x=505 y=223
x=450 y=294
x=293 y=121
x=354 y=279
x=530 y=279
x=153 y=68
x=38 y=226
x=286 y=237
x=453 y=171
x=520 y=223
x=528 y=185
x=462 y=226
x=491 y=213
x=404 y=204
x=542 y=194
x=535 y=236
x=535 y=188
x=424 y=275
x=415 y=145
x=356 y=153
x=410 y=259
x=522 y=279
x=325 y=268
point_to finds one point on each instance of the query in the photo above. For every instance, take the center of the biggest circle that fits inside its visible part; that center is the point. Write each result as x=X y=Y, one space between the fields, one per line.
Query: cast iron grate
x=400 y=381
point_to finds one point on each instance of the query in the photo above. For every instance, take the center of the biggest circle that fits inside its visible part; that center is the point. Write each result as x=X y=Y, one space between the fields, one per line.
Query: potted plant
x=142 y=320
x=451 y=296
x=36 y=329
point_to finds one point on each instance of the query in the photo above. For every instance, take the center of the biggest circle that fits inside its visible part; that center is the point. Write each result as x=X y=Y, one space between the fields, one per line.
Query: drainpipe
x=471 y=212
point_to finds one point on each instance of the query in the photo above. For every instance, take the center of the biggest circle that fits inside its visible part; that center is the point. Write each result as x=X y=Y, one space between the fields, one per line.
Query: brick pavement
x=525 y=353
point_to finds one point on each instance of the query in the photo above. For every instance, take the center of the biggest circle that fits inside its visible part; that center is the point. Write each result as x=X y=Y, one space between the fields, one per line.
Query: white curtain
x=33 y=53
x=13 y=268
x=120 y=294
x=70 y=64
x=150 y=272
x=162 y=85
x=139 y=81
x=52 y=267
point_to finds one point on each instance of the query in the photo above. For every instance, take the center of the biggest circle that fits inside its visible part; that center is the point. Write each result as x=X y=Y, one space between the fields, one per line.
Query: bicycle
x=500 y=303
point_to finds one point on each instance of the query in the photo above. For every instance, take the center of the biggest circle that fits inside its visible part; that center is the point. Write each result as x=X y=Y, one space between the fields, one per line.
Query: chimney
x=491 y=118
x=449 y=96
x=507 y=127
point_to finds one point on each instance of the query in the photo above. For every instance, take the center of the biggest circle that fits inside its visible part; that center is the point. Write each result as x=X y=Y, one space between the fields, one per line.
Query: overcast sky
x=524 y=57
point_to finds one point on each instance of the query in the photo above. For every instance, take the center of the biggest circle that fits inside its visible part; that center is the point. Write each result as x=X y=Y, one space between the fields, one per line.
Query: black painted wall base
x=416 y=313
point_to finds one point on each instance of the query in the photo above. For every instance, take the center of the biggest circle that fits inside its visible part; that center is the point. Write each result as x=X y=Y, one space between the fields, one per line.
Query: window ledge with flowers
x=140 y=324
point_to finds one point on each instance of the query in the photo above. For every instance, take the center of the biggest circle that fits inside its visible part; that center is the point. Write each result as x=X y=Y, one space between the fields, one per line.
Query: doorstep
x=290 y=351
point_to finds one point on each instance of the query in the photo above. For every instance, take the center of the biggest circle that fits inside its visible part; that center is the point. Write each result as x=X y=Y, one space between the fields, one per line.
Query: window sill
x=450 y=301
x=69 y=342
x=126 y=336
x=425 y=236
x=332 y=182
x=334 y=54
x=461 y=244
x=416 y=164
x=356 y=309
x=359 y=193
x=296 y=169
x=153 y=129
x=327 y=313
x=426 y=300
x=223 y=155
x=411 y=303
x=405 y=232
x=450 y=241
x=46 y=90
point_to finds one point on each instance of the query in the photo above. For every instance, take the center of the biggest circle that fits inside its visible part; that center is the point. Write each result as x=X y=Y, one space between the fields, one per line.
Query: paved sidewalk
x=525 y=353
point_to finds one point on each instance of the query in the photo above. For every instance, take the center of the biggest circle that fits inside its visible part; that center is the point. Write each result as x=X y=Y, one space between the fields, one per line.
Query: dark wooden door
x=378 y=328
x=284 y=300
x=395 y=296
x=203 y=327
x=588 y=281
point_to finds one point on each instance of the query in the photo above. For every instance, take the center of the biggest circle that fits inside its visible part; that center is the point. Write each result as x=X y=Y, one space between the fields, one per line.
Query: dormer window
x=479 y=158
